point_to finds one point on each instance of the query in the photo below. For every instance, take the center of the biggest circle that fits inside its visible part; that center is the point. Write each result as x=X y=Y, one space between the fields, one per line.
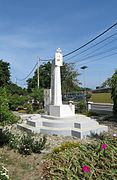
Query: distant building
x=101 y=90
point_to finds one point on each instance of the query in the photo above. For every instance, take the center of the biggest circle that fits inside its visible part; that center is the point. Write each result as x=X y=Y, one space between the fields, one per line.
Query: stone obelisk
x=56 y=107
x=56 y=81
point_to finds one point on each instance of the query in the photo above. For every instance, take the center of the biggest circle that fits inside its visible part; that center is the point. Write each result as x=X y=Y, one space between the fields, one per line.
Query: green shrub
x=29 y=109
x=14 y=141
x=16 y=101
x=6 y=116
x=9 y=139
x=3 y=173
x=91 y=113
x=40 y=111
x=39 y=145
x=66 y=145
x=5 y=137
x=28 y=145
x=81 y=107
x=25 y=144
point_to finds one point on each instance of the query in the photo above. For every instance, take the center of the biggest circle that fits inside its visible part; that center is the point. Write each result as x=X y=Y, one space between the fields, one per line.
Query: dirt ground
x=30 y=167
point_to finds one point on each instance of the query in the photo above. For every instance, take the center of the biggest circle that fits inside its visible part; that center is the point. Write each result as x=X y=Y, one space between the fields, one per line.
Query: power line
x=100 y=47
x=98 y=59
x=28 y=74
x=51 y=59
x=91 y=40
x=32 y=70
x=98 y=54
x=91 y=47
x=75 y=49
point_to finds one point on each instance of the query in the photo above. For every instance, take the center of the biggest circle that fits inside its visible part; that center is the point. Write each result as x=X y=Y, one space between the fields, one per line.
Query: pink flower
x=104 y=146
x=86 y=168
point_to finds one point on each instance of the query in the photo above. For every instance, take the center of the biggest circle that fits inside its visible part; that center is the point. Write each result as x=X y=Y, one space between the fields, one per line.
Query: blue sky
x=36 y=28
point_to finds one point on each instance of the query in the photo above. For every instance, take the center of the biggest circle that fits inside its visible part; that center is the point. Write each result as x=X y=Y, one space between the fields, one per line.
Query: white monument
x=56 y=107
x=60 y=118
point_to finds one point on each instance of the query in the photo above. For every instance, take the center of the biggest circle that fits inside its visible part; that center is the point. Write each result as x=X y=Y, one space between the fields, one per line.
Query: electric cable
x=105 y=31
x=98 y=54
x=91 y=47
x=98 y=59
x=28 y=74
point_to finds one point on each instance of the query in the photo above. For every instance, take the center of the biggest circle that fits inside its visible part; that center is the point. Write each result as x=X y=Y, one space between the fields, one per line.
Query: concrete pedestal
x=78 y=125
x=62 y=111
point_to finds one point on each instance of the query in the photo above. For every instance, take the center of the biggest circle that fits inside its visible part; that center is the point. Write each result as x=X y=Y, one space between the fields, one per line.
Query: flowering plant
x=103 y=146
x=95 y=160
x=86 y=169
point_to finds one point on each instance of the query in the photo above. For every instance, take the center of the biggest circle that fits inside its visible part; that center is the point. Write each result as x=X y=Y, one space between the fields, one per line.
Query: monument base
x=79 y=125
x=62 y=110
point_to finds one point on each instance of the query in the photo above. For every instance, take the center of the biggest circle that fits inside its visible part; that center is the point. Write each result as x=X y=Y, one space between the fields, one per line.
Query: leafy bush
x=14 y=141
x=87 y=161
x=3 y=173
x=91 y=113
x=28 y=145
x=81 y=107
x=29 y=108
x=6 y=116
x=9 y=139
x=40 y=111
x=5 y=137
x=39 y=145
x=17 y=100
x=25 y=145
x=66 y=145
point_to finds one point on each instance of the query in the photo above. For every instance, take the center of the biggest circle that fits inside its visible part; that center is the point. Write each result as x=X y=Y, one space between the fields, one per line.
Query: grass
x=101 y=98
x=21 y=167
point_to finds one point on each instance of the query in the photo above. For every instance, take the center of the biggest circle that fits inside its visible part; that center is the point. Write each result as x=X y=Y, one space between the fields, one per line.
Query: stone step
x=62 y=123
x=50 y=123
x=85 y=124
x=58 y=118
x=34 y=122
x=28 y=128
x=80 y=133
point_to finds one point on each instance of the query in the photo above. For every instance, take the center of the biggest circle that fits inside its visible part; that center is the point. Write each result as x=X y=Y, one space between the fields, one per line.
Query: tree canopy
x=4 y=73
x=68 y=76
x=106 y=83
x=114 y=91
x=112 y=83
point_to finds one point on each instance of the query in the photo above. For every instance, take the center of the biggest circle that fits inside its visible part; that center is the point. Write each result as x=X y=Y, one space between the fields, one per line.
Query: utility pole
x=38 y=63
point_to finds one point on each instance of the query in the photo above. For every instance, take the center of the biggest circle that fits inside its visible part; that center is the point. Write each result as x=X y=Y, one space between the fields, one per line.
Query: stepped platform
x=78 y=125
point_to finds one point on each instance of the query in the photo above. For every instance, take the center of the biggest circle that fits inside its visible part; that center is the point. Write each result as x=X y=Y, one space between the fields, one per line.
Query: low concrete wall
x=104 y=108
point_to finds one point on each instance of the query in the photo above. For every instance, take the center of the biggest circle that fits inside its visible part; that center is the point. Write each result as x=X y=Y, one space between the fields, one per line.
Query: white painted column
x=56 y=79
x=57 y=86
